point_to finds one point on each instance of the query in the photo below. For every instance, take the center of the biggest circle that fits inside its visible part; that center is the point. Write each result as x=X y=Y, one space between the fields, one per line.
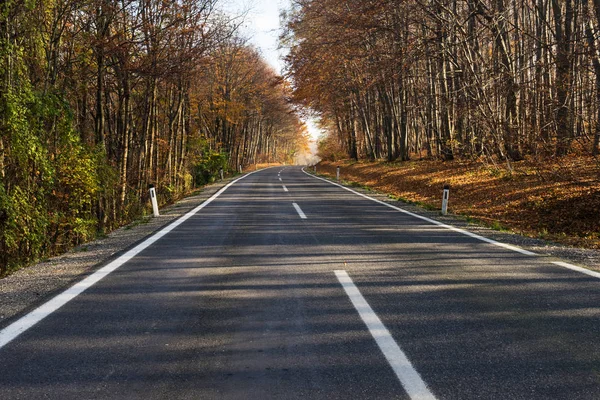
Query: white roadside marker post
x=153 y=200
x=315 y=167
x=337 y=174
x=445 y=199
x=241 y=171
x=221 y=173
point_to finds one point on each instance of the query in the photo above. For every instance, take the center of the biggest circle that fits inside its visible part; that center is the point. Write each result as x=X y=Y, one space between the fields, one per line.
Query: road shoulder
x=29 y=287
x=587 y=258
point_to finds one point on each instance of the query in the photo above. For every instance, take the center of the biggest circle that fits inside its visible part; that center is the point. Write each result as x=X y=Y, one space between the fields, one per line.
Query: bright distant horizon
x=262 y=26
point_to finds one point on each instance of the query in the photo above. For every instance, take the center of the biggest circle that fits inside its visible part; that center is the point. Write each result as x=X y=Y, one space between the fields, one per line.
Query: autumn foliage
x=100 y=98
x=450 y=79
x=554 y=201
x=499 y=98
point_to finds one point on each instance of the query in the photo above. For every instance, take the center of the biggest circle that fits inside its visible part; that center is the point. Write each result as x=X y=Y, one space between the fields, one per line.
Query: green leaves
x=50 y=178
x=207 y=166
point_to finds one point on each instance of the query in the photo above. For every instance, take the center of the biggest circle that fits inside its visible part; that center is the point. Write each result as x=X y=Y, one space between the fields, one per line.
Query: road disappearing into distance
x=286 y=286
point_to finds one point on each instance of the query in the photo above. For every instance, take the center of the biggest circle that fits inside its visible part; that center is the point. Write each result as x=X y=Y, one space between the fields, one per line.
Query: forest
x=100 y=98
x=497 y=80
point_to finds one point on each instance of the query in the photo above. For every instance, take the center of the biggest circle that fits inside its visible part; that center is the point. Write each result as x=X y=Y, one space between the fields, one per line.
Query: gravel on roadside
x=29 y=287
x=587 y=258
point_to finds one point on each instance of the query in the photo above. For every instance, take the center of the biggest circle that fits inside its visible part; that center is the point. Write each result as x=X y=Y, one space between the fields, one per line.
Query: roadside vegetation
x=553 y=201
x=499 y=99
x=100 y=98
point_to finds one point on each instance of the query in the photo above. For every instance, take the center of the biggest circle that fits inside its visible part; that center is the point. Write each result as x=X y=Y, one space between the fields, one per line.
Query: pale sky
x=262 y=26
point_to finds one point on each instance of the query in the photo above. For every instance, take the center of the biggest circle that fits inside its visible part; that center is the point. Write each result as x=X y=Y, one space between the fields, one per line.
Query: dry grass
x=558 y=200
x=254 y=167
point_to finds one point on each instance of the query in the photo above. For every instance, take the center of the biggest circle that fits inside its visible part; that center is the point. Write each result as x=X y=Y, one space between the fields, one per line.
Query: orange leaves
x=564 y=209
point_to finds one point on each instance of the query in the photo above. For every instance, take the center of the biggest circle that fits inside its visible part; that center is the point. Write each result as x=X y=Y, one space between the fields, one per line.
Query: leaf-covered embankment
x=559 y=200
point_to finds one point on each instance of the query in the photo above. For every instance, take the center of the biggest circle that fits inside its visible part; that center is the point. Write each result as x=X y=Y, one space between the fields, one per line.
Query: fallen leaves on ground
x=557 y=200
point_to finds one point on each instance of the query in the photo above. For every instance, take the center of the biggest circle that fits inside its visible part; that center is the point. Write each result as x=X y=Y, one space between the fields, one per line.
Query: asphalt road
x=243 y=301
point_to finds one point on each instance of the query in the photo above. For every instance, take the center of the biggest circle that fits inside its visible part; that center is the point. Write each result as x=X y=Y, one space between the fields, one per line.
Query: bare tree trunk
x=593 y=48
x=564 y=78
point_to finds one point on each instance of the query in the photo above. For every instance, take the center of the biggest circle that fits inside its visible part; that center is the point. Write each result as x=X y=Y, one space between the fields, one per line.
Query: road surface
x=285 y=286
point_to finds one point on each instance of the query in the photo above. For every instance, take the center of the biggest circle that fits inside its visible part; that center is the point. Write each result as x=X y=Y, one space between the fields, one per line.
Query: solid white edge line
x=285 y=189
x=406 y=373
x=432 y=221
x=467 y=233
x=27 y=321
x=299 y=211
x=576 y=268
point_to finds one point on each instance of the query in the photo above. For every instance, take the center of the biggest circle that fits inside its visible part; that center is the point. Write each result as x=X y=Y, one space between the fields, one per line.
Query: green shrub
x=206 y=169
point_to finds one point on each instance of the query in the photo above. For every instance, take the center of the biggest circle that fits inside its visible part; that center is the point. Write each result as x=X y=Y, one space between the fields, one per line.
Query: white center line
x=285 y=189
x=408 y=376
x=299 y=210
x=280 y=180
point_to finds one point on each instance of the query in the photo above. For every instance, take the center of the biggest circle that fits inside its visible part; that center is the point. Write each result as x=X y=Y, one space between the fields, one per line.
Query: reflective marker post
x=153 y=200
x=337 y=174
x=445 y=199
x=221 y=173
x=241 y=171
x=315 y=168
